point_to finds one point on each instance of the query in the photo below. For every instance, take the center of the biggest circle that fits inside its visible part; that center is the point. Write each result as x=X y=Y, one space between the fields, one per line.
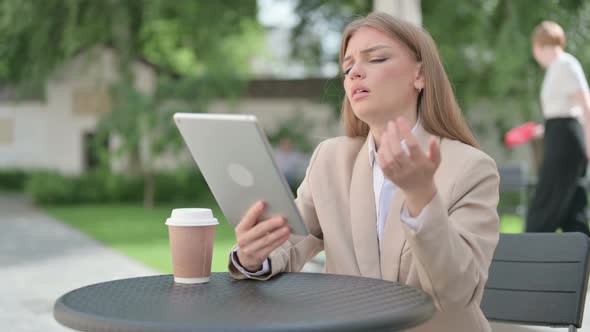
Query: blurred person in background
x=560 y=199
x=405 y=196
x=290 y=161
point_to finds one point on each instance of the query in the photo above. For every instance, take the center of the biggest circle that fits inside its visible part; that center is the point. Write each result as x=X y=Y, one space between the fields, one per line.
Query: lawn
x=141 y=234
x=511 y=224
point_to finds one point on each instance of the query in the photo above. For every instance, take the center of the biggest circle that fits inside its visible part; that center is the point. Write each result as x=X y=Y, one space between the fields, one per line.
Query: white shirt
x=563 y=78
x=382 y=188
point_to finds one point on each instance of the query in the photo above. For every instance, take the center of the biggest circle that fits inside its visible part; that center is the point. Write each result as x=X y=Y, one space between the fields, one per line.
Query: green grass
x=511 y=224
x=141 y=233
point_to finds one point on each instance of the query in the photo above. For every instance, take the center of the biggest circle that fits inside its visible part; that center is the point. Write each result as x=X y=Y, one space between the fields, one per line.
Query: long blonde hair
x=439 y=112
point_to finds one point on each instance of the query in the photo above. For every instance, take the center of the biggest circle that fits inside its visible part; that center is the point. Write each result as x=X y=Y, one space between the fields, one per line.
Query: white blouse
x=564 y=77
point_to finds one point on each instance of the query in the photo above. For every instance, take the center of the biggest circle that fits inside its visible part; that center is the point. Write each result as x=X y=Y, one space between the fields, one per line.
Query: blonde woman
x=405 y=196
x=560 y=200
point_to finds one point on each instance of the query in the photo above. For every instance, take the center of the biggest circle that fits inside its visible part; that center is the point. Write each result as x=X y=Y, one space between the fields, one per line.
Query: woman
x=390 y=200
x=560 y=200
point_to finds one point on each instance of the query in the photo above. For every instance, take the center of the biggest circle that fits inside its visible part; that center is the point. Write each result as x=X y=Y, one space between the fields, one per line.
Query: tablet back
x=236 y=160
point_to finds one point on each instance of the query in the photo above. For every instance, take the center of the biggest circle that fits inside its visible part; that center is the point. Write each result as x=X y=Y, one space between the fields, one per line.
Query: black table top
x=287 y=302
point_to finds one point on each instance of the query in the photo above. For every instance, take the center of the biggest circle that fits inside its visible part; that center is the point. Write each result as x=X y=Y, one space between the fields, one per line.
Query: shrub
x=13 y=179
x=50 y=187
x=180 y=186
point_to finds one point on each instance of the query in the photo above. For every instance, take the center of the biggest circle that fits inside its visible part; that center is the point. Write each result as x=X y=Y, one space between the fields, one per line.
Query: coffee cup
x=191 y=232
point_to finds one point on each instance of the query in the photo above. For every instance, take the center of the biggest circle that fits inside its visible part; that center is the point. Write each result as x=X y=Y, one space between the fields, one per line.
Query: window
x=6 y=131
x=88 y=101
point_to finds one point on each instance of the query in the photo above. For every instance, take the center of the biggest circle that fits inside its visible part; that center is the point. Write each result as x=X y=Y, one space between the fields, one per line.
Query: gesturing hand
x=256 y=240
x=411 y=171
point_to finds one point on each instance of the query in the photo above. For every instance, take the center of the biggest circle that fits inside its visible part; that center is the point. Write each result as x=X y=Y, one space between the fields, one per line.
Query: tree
x=486 y=45
x=178 y=36
x=315 y=18
x=318 y=18
x=197 y=47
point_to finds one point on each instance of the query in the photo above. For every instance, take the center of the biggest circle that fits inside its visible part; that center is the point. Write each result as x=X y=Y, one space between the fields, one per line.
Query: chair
x=515 y=178
x=538 y=279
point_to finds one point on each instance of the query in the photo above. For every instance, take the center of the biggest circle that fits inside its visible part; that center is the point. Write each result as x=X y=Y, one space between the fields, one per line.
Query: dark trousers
x=560 y=200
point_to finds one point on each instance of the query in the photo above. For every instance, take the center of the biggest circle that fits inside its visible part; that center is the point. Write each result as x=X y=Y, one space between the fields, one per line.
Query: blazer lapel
x=363 y=218
x=393 y=239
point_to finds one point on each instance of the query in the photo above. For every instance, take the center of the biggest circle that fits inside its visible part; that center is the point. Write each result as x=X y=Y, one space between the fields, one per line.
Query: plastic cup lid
x=191 y=217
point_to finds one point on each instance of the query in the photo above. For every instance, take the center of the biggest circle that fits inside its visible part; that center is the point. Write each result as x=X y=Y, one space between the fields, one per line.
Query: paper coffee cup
x=191 y=232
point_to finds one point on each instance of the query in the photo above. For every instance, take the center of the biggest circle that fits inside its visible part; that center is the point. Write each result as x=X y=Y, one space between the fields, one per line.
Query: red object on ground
x=520 y=134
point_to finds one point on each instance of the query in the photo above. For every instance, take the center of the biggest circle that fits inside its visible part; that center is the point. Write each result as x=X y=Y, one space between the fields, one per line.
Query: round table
x=287 y=302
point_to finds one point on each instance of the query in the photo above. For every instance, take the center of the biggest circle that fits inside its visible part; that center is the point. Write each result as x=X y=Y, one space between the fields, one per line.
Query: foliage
x=49 y=187
x=13 y=179
x=144 y=122
x=183 y=37
x=296 y=129
x=315 y=18
x=197 y=48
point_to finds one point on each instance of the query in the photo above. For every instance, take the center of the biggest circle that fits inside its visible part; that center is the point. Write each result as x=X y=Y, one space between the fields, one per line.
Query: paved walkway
x=41 y=259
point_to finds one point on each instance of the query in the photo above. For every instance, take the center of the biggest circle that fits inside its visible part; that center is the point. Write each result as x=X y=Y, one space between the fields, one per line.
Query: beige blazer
x=448 y=256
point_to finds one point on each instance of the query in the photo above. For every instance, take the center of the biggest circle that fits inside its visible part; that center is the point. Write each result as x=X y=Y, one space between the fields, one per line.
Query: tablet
x=234 y=156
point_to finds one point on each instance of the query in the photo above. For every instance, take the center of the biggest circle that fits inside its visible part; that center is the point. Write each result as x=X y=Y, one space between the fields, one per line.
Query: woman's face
x=539 y=53
x=381 y=77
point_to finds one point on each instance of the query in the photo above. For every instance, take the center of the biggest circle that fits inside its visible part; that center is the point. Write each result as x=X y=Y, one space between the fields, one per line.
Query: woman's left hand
x=411 y=171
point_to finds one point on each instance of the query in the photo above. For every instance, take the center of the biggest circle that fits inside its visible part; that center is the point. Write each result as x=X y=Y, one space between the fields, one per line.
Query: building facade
x=55 y=132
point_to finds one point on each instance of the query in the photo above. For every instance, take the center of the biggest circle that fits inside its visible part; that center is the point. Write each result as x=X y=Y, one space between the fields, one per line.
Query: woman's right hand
x=256 y=240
